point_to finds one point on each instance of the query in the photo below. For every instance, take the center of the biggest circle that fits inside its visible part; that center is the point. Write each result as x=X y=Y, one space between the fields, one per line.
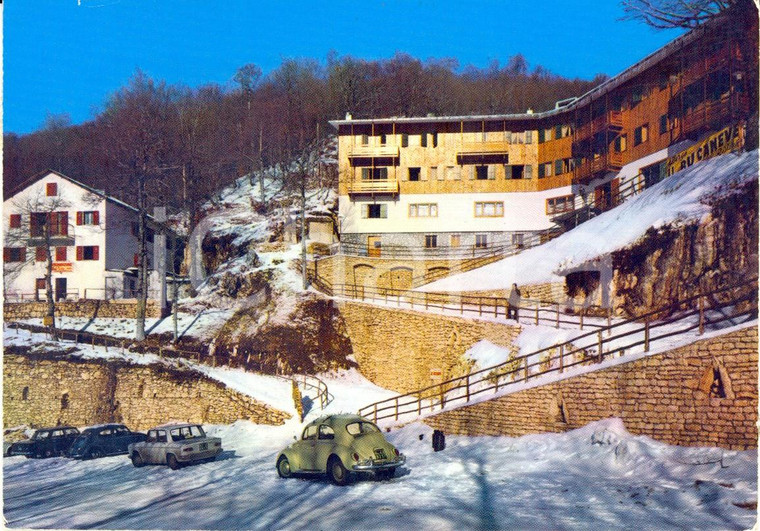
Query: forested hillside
x=188 y=142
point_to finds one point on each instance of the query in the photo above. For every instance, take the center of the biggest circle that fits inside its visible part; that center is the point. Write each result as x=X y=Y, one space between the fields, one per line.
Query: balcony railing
x=373 y=186
x=373 y=151
x=471 y=148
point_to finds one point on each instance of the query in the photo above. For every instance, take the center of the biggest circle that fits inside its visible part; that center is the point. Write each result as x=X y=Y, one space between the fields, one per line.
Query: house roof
x=27 y=183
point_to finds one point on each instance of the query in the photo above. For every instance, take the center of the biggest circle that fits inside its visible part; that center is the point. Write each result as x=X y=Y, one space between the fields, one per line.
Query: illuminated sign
x=729 y=139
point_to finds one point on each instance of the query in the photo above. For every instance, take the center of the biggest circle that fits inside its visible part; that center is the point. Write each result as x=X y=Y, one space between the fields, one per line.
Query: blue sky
x=67 y=56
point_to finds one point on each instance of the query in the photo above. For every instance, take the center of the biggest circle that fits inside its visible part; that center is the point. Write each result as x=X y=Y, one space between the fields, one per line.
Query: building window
x=621 y=143
x=25 y=394
x=423 y=210
x=91 y=217
x=434 y=138
x=376 y=211
x=518 y=240
x=489 y=209
x=663 y=124
x=404 y=140
x=383 y=139
x=641 y=134
x=60 y=254
x=423 y=139
x=514 y=172
x=40 y=254
x=481 y=241
x=88 y=252
x=59 y=223
x=544 y=170
x=365 y=140
x=481 y=173
x=431 y=241
x=15 y=221
x=14 y=254
x=51 y=189
x=65 y=401
x=558 y=167
x=374 y=174
x=414 y=174
x=557 y=205
x=528 y=174
x=637 y=94
x=455 y=240
x=528 y=137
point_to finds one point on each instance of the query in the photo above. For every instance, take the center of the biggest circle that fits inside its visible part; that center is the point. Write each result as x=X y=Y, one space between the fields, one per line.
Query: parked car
x=108 y=439
x=175 y=445
x=46 y=442
x=340 y=446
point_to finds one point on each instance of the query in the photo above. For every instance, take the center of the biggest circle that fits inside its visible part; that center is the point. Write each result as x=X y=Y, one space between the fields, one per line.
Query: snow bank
x=682 y=197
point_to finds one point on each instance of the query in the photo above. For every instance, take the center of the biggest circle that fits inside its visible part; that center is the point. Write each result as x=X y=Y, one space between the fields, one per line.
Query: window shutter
x=383 y=211
x=40 y=254
x=51 y=189
x=96 y=217
x=79 y=218
x=23 y=254
x=541 y=136
x=491 y=172
x=6 y=254
x=96 y=252
x=15 y=221
x=60 y=254
x=528 y=171
x=136 y=260
x=528 y=137
x=365 y=214
x=63 y=220
x=472 y=172
x=80 y=252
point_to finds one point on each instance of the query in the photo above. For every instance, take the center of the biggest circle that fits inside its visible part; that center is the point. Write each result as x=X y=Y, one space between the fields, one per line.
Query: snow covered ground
x=597 y=477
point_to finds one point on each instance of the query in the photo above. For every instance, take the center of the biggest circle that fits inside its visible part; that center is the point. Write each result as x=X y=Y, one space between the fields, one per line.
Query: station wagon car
x=175 y=445
x=340 y=446
x=46 y=442
x=108 y=439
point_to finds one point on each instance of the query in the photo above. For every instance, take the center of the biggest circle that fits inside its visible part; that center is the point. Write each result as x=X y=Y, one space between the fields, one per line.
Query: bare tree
x=42 y=223
x=665 y=14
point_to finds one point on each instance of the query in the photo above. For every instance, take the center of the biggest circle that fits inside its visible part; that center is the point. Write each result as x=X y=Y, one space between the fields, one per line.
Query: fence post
x=557 y=316
x=480 y=306
x=581 y=318
x=701 y=315
x=561 y=358
x=609 y=321
x=375 y=412
x=443 y=401
x=646 y=334
x=599 y=344
x=461 y=305
x=495 y=307
x=536 y=312
x=419 y=404
x=396 y=408
x=468 y=387
x=526 y=368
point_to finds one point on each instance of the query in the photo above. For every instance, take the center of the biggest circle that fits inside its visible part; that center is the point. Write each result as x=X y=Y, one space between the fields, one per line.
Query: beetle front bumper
x=370 y=464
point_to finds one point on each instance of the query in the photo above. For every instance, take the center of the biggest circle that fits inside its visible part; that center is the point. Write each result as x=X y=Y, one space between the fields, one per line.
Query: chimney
x=348 y=116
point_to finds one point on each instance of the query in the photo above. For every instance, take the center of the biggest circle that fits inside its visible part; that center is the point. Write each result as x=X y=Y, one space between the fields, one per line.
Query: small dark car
x=108 y=439
x=46 y=442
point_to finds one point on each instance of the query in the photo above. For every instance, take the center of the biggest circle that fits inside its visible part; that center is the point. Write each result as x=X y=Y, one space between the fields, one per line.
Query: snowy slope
x=679 y=198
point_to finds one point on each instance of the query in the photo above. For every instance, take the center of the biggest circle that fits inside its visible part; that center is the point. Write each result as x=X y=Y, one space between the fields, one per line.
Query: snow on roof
x=680 y=198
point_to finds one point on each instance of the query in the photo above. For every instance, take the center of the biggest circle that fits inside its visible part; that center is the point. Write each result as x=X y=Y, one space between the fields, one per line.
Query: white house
x=93 y=241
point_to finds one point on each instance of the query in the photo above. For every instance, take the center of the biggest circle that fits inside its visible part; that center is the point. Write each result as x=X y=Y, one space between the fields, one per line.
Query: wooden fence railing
x=730 y=305
x=530 y=311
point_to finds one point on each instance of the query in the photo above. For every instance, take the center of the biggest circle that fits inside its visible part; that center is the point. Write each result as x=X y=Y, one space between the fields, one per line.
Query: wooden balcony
x=373 y=186
x=604 y=163
x=610 y=121
x=478 y=148
x=367 y=152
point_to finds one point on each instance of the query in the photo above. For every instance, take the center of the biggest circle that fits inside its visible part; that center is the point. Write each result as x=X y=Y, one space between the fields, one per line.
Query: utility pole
x=303 y=229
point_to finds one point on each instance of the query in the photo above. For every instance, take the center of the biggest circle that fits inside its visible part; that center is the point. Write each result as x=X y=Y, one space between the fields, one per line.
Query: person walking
x=514 y=303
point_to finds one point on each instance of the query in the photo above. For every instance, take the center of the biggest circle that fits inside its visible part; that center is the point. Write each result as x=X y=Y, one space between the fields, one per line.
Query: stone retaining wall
x=123 y=308
x=41 y=390
x=398 y=349
x=703 y=394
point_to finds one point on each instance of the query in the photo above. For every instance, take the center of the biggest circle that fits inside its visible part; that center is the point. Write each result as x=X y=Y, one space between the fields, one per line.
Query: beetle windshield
x=361 y=428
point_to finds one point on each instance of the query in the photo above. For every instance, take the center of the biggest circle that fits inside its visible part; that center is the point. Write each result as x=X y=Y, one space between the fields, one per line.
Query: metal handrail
x=565 y=355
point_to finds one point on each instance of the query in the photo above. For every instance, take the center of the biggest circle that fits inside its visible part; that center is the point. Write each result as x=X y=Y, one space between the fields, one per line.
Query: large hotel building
x=459 y=185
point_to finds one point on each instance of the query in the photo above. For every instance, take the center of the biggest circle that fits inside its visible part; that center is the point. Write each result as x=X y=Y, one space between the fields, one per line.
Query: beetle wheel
x=171 y=460
x=137 y=460
x=283 y=467
x=337 y=472
x=94 y=453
